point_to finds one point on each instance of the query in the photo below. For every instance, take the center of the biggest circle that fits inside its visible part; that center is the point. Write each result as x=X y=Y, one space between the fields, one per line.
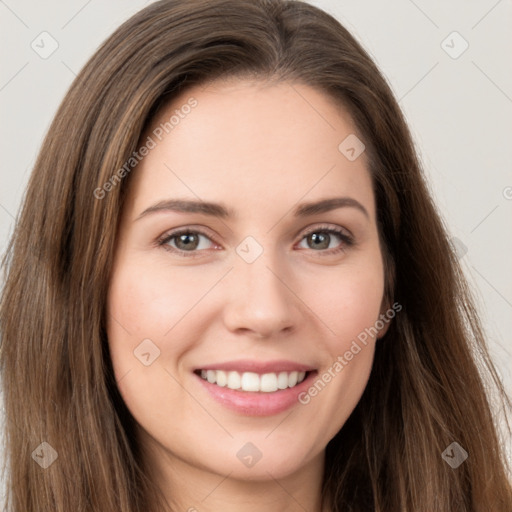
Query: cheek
x=349 y=312
x=143 y=307
x=146 y=302
x=136 y=293
x=350 y=307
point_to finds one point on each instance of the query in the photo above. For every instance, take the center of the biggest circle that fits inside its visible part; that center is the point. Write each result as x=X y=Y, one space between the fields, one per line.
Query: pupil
x=320 y=239
x=187 y=240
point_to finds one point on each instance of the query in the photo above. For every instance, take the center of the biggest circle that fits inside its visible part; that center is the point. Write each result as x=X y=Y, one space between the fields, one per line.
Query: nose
x=261 y=300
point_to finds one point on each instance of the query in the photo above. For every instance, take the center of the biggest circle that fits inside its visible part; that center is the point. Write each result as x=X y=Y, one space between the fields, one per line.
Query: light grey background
x=459 y=110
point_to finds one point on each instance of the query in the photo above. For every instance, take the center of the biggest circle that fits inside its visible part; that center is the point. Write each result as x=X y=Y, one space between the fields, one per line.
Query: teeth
x=234 y=380
x=250 y=381
x=282 y=380
x=268 y=382
x=222 y=378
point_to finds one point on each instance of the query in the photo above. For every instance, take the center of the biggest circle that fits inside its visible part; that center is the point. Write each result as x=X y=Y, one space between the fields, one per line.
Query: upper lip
x=260 y=367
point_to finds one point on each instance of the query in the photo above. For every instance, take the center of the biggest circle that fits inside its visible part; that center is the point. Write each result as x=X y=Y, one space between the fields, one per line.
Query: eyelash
x=347 y=240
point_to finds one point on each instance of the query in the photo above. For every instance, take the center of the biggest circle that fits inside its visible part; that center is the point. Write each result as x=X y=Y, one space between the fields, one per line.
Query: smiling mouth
x=253 y=382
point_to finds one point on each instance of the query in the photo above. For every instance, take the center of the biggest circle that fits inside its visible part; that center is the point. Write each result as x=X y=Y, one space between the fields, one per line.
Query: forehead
x=250 y=144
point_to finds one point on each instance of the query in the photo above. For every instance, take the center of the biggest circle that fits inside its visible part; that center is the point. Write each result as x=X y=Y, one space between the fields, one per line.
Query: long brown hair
x=432 y=370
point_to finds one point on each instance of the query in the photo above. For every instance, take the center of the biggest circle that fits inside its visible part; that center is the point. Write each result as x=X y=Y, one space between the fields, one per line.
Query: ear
x=384 y=330
x=384 y=318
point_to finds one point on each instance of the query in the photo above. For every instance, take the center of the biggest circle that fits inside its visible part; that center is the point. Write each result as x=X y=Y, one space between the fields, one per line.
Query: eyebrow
x=221 y=211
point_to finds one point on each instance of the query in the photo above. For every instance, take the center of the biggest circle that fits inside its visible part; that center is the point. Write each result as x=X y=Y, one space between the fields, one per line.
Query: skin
x=260 y=149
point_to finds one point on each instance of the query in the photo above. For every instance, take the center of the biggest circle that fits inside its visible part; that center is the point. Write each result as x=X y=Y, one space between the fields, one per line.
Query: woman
x=229 y=287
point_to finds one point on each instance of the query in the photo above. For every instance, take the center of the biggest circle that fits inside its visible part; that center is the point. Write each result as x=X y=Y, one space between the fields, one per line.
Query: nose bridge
x=257 y=266
x=261 y=300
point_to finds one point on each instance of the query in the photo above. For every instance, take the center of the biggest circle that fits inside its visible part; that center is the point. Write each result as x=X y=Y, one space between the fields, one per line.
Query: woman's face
x=210 y=331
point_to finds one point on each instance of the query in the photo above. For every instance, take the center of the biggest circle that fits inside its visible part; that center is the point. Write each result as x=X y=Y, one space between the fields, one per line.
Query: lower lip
x=250 y=403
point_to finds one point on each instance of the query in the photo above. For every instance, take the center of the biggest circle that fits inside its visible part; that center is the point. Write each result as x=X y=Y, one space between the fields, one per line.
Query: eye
x=321 y=237
x=187 y=242
x=184 y=241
